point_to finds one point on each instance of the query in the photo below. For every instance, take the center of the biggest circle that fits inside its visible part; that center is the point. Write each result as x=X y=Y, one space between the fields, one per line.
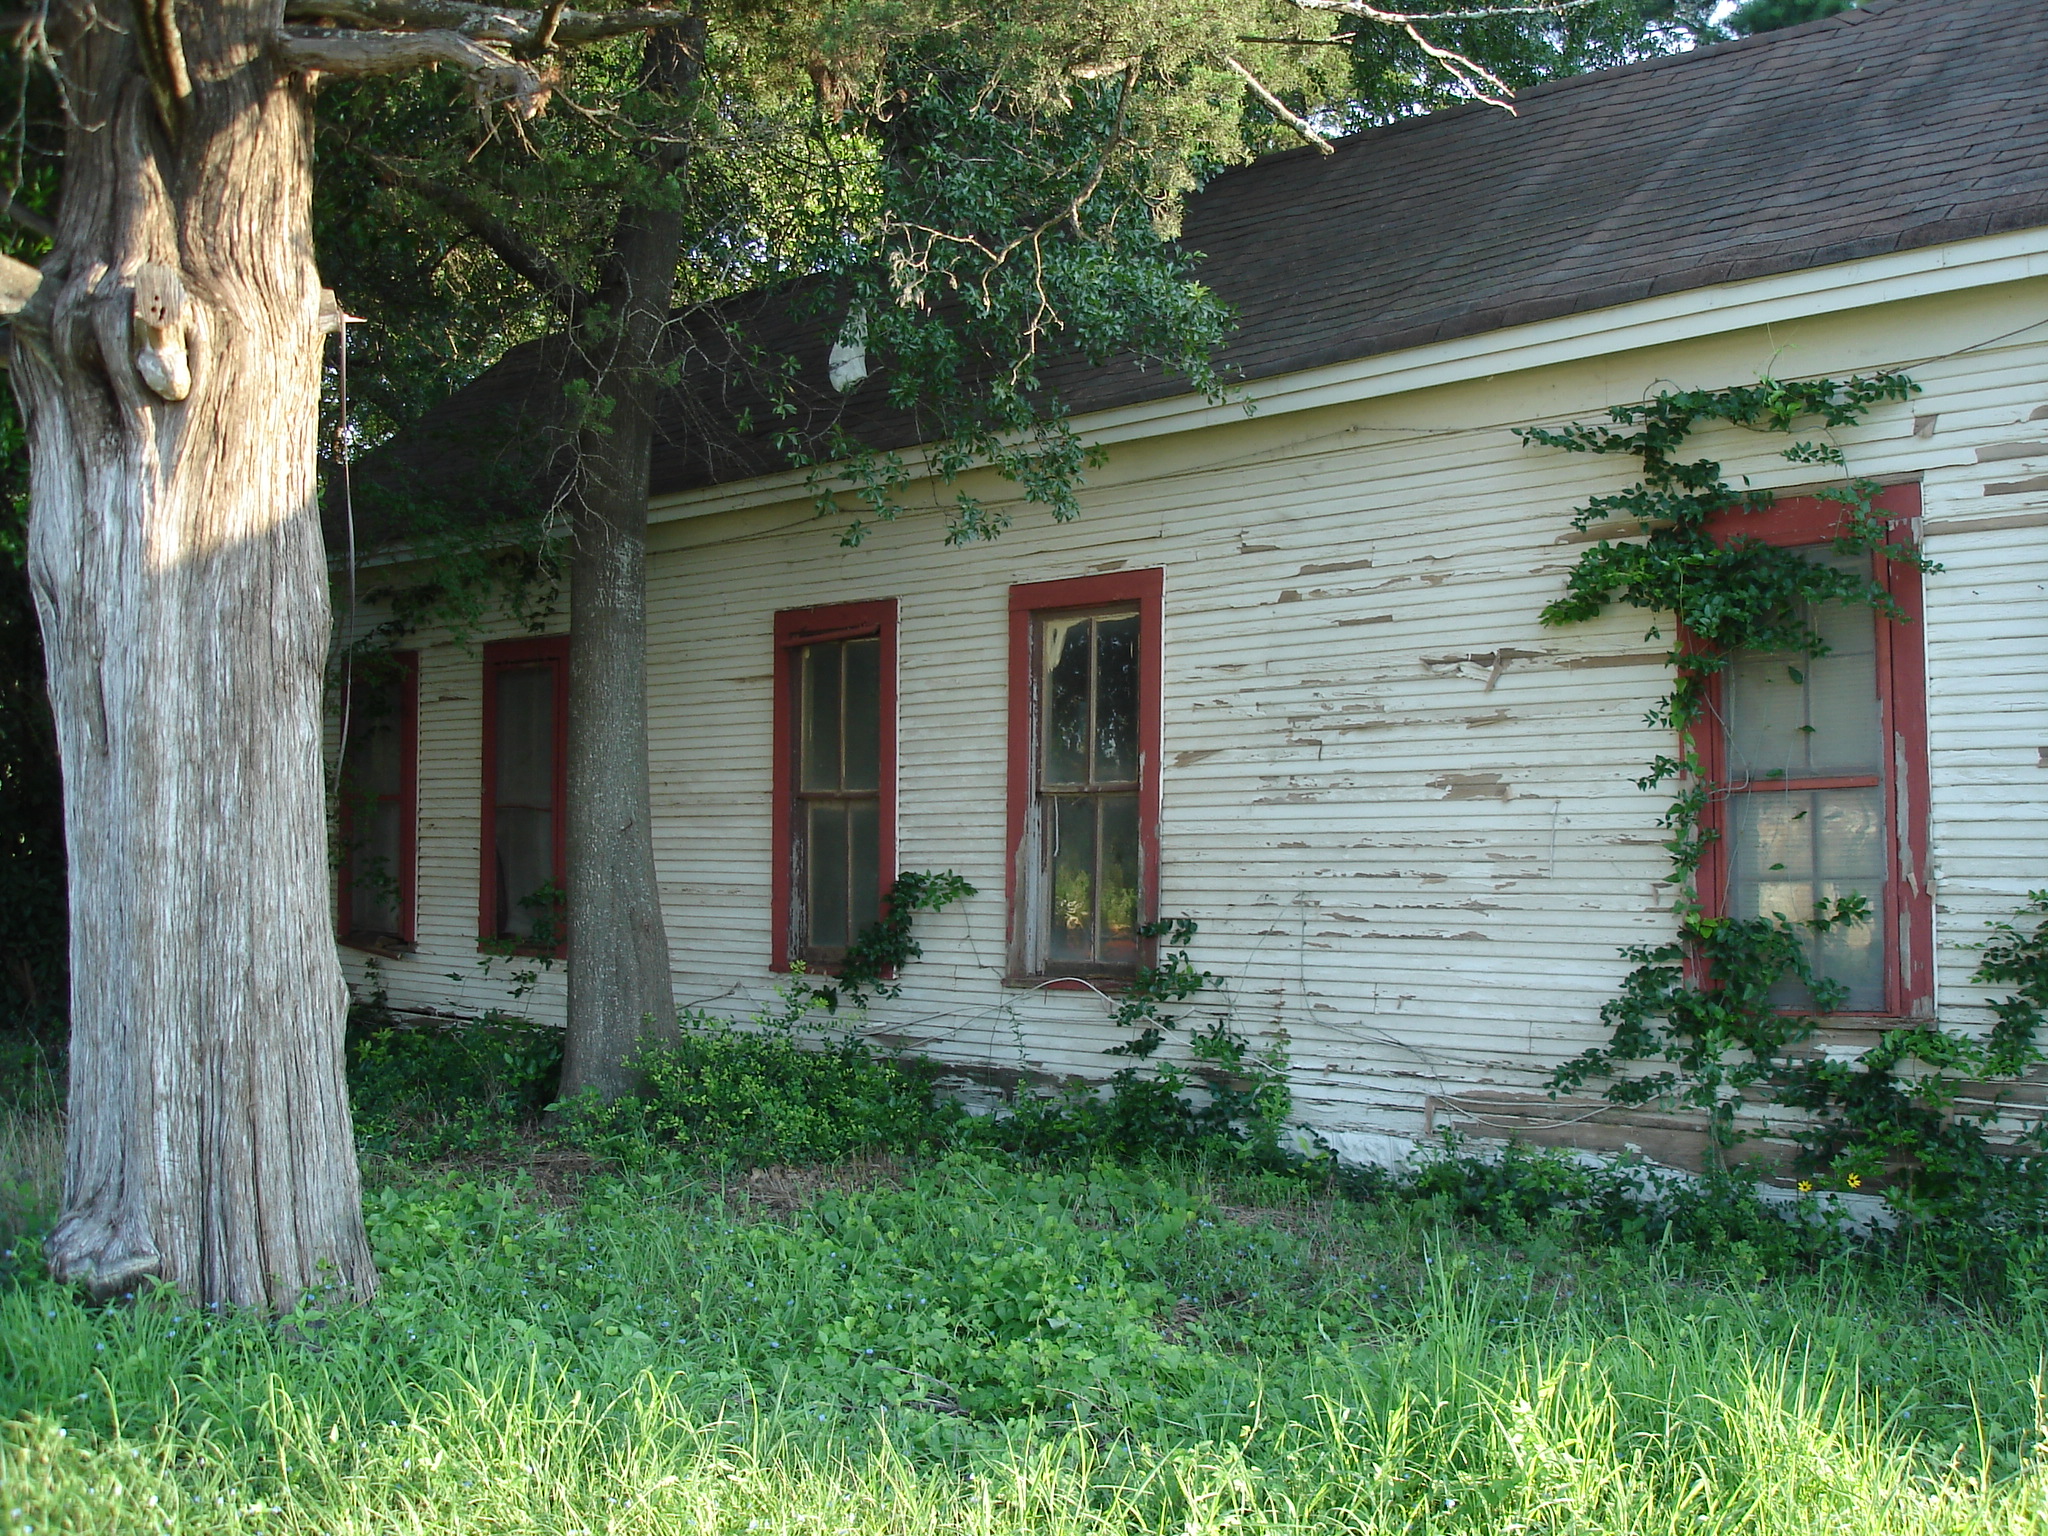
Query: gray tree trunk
x=619 y=982
x=168 y=371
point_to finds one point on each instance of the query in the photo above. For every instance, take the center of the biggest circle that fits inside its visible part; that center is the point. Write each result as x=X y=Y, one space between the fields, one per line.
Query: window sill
x=520 y=951
x=383 y=945
x=1109 y=984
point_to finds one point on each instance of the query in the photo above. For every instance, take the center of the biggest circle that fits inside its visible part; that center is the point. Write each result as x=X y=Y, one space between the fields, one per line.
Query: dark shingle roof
x=1907 y=123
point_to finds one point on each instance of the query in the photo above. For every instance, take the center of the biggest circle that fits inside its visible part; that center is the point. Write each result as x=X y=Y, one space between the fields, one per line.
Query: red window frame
x=1796 y=521
x=1029 y=602
x=408 y=798
x=499 y=654
x=796 y=628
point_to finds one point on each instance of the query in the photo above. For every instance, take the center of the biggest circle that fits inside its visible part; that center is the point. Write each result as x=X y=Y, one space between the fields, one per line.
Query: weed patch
x=969 y=1343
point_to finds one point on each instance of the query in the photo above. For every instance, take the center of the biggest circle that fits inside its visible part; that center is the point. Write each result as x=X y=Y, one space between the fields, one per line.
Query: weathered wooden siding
x=1403 y=812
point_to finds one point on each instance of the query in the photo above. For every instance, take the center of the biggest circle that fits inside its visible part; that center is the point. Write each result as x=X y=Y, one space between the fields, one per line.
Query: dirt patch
x=1301 y=1220
x=782 y=1188
x=1178 y=1326
x=559 y=1173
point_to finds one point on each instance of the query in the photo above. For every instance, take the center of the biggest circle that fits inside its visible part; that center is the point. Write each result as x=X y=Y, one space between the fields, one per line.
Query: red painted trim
x=1810 y=519
x=1028 y=600
x=408 y=798
x=497 y=655
x=1902 y=687
x=796 y=628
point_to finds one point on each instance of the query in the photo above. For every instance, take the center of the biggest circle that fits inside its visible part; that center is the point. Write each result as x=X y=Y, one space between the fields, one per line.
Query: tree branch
x=504 y=242
x=1279 y=109
x=30 y=220
x=488 y=24
x=550 y=27
x=1334 y=40
x=495 y=75
x=1482 y=82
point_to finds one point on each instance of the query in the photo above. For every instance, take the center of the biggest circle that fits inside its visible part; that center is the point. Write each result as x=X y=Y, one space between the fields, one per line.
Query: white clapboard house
x=1285 y=674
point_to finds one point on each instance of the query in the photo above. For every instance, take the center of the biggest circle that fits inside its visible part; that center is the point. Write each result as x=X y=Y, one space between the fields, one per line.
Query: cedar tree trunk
x=168 y=370
x=619 y=982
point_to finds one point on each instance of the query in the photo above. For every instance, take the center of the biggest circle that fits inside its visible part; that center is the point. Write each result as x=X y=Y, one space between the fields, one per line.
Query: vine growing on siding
x=1704 y=1004
x=885 y=946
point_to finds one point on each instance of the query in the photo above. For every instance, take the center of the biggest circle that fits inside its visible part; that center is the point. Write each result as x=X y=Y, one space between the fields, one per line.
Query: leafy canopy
x=975 y=195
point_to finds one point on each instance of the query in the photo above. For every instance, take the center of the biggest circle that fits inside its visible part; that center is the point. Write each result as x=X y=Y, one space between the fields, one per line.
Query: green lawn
x=973 y=1345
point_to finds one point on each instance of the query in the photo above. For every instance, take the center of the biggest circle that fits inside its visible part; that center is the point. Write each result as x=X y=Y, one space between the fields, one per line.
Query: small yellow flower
x=1854 y=1181
x=1806 y=1186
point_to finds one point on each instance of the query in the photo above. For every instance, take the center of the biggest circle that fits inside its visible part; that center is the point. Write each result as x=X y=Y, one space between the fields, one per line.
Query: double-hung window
x=1084 y=774
x=526 y=721
x=835 y=777
x=1821 y=763
x=377 y=800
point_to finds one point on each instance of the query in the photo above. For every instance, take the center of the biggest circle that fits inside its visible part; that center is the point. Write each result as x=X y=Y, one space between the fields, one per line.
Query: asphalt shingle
x=1903 y=124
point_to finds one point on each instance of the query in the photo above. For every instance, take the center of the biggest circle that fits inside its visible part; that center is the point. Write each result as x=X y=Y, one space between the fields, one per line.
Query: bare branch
x=30 y=220
x=1279 y=109
x=1399 y=18
x=504 y=242
x=1482 y=82
x=162 y=47
x=550 y=27
x=488 y=24
x=1334 y=40
x=495 y=75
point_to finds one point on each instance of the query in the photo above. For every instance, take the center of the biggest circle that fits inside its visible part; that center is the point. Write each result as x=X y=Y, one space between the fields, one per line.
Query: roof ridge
x=1855 y=13
x=1678 y=58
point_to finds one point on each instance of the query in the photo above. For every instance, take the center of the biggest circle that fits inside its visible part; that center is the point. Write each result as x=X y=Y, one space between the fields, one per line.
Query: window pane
x=825 y=856
x=1073 y=879
x=525 y=847
x=1064 y=651
x=375 y=715
x=820 y=719
x=863 y=865
x=863 y=720
x=1788 y=849
x=374 y=868
x=525 y=743
x=1119 y=942
x=1116 y=699
x=1814 y=716
x=1841 y=692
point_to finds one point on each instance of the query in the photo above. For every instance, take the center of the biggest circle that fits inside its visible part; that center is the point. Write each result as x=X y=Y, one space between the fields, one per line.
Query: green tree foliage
x=980 y=191
x=1756 y=16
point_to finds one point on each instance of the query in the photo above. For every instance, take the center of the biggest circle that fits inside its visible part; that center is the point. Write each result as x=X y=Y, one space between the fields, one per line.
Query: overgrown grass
x=974 y=1344
x=1003 y=1328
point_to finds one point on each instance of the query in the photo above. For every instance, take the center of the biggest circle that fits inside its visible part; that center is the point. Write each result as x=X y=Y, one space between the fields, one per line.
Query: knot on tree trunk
x=159 y=331
x=104 y=1259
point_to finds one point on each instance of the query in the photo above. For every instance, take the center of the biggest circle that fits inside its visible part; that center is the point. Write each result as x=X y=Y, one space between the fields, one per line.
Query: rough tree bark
x=619 y=981
x=168 y=371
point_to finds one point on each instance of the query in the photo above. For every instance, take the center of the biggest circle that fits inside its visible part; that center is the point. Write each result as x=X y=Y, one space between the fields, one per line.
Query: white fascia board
x=1673 y=317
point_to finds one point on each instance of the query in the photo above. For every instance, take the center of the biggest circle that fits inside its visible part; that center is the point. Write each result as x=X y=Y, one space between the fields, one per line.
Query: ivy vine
x=1707 y=1003
x=1174 y=979
x=885 y=946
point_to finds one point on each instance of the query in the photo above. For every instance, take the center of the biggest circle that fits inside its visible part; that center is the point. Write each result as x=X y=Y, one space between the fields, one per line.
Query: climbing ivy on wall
x=1698 y=1023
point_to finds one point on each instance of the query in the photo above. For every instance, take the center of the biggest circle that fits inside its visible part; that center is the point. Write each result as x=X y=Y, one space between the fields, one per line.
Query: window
x=526 y=719
x=1824 y=763
x=377 y=810
x=1084 y=773
x=835 y=776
